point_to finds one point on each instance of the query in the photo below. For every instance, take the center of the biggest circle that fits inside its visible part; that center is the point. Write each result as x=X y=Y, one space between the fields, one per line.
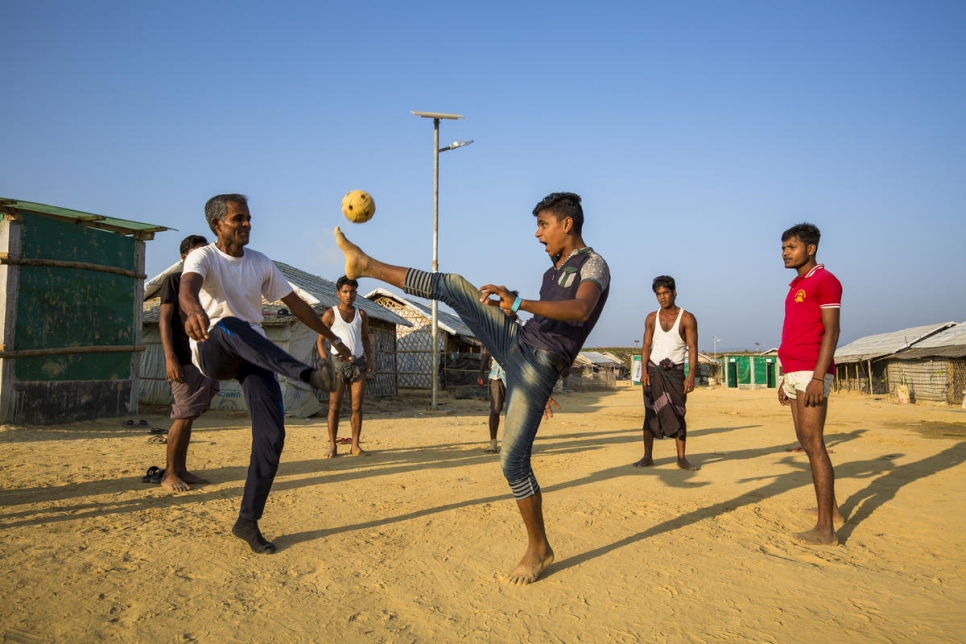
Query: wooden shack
x=71 y=326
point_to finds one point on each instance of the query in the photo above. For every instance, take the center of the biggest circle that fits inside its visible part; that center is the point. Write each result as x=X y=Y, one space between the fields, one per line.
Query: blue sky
x=696 y=132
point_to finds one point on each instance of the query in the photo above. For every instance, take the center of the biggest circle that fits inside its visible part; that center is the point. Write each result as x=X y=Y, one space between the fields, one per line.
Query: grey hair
x=217 y=207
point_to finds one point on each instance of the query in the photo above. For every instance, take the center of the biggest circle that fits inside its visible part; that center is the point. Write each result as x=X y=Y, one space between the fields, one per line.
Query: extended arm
x=576 y=310
x=311 y=319
x=327 y=319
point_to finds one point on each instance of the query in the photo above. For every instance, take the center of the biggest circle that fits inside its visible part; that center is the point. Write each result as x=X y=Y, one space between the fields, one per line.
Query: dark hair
x=806 y=233
x=562 y=205
x=342 y=281
x=192 y=241
x=217 y=207
x=663 y=280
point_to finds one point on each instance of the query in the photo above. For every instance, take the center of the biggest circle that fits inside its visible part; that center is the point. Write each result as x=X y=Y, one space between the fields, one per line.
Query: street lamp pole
x=436 y=116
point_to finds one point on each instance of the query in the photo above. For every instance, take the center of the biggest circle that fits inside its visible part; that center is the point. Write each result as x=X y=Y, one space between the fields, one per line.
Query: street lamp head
x=456 y=144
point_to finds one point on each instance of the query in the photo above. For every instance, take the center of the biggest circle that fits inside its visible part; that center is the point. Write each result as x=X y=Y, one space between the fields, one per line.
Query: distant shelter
x=924 y=363
x=457 y=346
x=862 y=365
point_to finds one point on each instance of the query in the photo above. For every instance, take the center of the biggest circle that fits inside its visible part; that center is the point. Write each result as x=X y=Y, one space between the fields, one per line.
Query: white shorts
x=797 y=381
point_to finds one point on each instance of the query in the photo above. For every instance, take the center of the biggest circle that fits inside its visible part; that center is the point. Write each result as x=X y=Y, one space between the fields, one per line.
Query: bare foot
x=332 y=452
x=529 y=568
x=188 y=477
x=684 y=465
x=356 y=262
x=816 y=537
x=647 y=461
x=173 y=483
x=837 y=518
x=358 y=451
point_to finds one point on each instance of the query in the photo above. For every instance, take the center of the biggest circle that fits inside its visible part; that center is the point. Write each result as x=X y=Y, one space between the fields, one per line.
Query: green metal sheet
x=72 y=307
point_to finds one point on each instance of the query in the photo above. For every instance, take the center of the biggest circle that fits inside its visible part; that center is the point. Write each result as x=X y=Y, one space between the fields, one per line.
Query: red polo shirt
x=803 y=330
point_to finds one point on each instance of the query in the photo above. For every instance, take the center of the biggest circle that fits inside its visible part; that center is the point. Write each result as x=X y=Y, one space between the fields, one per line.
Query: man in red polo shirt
x=809 y=336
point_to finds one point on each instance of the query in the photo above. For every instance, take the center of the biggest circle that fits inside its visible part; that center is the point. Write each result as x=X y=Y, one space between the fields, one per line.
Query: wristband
x=819 y=379
x=337 y=341
x=516 y=304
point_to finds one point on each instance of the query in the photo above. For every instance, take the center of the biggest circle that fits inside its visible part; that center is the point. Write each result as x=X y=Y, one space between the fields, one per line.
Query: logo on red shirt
x=800 y=295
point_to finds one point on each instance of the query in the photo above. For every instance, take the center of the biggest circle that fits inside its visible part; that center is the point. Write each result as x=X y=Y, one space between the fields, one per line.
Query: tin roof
x=135 y=229
x=317 y=291
x=950 y=343
x=597 y=358
x=447 y=321
x=876 y=346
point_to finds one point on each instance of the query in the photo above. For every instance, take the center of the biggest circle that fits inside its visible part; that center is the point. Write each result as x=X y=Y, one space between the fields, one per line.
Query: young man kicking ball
x=534 y=355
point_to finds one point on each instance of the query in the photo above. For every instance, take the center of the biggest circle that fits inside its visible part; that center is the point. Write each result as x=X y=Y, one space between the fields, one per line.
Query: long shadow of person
x=880 y=490
x=860 y=506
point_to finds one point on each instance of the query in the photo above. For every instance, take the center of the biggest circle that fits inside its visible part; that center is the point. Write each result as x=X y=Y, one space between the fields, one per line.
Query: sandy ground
x=407 y=545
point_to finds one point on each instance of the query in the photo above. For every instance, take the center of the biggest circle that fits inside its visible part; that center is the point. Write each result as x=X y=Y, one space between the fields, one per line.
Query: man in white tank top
x=351 y=324
x=670 y=333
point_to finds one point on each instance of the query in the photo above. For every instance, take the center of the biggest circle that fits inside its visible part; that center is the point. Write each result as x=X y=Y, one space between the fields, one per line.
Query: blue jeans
x=530 y=373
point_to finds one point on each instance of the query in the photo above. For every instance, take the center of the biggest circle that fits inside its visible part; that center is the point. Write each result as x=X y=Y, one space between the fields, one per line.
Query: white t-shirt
x=234 y=286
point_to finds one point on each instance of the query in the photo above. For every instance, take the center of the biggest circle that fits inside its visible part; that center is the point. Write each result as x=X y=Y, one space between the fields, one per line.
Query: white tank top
x=668 y=344
x=350 y=332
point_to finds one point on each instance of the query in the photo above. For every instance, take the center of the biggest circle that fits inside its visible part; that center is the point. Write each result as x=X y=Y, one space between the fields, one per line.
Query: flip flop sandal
x=157 y=430
x=153 y=475
x=158 y=439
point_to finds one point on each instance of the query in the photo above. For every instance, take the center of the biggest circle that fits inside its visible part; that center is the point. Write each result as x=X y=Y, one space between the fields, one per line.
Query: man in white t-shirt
x=222 y=287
